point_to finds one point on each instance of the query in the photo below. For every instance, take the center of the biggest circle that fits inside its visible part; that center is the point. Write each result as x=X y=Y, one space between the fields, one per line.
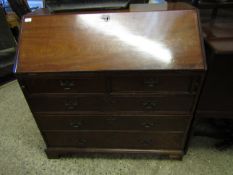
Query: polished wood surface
x=146 y=104
x=113 y=123
x=112 y=83
x=99 y=139
x=134 y=41
x=122 y=82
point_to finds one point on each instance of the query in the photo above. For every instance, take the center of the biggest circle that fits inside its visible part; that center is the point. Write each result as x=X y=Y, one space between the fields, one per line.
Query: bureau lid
x=161 y=40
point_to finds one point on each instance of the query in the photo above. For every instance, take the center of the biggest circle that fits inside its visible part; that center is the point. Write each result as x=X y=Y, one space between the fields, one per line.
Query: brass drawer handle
x=146 y=142
x=106 y=18
x=149 y=105
x=148 y=124
x=151 y=83
x=81 y=142
x=195 y=84
x=76 y=125
x=111 y=120
x=67 y=84
x=71 y=104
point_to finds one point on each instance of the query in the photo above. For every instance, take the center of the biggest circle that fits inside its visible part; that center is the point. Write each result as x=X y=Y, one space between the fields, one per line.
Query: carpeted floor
x=21 y=150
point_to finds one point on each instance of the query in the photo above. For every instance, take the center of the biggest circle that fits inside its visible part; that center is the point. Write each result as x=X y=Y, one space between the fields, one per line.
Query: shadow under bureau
x=112 y=82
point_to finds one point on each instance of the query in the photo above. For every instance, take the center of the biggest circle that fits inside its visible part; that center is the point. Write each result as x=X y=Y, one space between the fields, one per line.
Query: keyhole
x=106 y=18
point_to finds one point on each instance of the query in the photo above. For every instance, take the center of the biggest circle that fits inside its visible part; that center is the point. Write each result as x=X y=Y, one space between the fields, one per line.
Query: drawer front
x=134 y=140
x=146 y=123
x=66 y=103
x=64 y=85
x=156 y=84
x=157 y=104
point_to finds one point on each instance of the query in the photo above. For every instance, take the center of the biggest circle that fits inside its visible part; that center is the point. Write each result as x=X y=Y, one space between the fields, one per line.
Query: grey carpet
x=22 y=150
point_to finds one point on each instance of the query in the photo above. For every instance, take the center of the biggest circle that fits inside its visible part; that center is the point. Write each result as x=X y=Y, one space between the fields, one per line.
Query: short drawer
x=167 y=104
x=155 y=84
x=69 y=103
x=134 y=140
x=64 y=85
x=87 y=122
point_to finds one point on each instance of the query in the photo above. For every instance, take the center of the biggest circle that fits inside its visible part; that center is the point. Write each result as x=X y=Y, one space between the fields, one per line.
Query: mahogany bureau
x=112 y=82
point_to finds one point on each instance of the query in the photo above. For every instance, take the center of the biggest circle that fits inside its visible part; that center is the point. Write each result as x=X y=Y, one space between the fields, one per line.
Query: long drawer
x=131 y=140
x=88 y=122
x=71 y=103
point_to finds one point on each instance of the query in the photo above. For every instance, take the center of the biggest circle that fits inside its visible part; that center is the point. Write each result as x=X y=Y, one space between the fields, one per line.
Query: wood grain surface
x=160 y=40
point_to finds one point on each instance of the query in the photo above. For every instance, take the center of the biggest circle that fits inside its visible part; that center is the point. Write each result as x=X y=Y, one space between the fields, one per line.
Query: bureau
x=112 y=82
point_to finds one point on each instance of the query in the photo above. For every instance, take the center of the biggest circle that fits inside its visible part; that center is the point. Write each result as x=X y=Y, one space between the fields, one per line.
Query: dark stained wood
x=57 y=152
x=155 y=84
x=114 y=83
x=181 y=104
x=65 y=84
x=132 y=140
x=67 y=43
x=127 y=84
x=113 y=122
